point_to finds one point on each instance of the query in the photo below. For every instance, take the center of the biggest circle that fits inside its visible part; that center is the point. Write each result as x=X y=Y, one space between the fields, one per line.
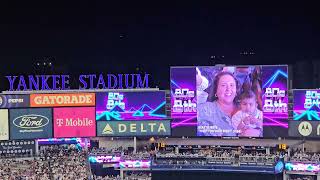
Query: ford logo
x=0 y=100
x=31 y=121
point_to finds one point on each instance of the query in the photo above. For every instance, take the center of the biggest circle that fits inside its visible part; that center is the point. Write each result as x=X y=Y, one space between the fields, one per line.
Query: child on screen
x=248 y=121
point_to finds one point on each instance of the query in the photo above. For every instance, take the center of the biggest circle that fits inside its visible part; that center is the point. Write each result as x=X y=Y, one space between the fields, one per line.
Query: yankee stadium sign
x=91 y=81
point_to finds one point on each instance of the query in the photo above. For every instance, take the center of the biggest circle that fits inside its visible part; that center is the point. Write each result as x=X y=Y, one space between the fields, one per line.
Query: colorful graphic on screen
x=130 y=105
x=229 y=103
x=306 y=104
x=275 y=100
x=135 y=164
x=183 y=97
x=296 y=166
x=74 y=122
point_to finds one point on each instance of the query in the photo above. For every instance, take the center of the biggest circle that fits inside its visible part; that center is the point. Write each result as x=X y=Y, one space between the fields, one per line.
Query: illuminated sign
x=4 y=127
x=32 y=123
x=14 y=101
x=134 y=128
x=74 y=122
x=312 y=98
x=304 y=129
x=293 y=166
x=130 y=105
x=115 y=99
x=91 y=81
x=273 y=100
x=54 y=100
x=135 y=164
x=184 y=93
x=104 y=159
x=282 y=146
x=183 y=101
x=306 y=104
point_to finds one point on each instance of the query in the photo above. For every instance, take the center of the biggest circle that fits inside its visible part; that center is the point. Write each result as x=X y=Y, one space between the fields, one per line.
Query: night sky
x=132 y=36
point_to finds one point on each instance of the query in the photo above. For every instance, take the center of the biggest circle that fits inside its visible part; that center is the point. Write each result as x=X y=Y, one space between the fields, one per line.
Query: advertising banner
x=306 y=104
x=14 y=101
x=135 y=164
x=304 y=129
x=74 y=122
x=302 y=167
x=245 y=101
x=32 y=123
x=183 y=100
x=131 y=105
x=60 y=100
x=4 y=126
x=18 y=147
x=134 y=128
x=275 y=100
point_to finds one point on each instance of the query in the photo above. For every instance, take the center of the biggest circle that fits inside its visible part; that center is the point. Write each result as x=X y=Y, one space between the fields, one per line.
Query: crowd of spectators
x=67 y=162
x=211 y=156
x=305 y=157
x=53 y=162
x=24 y=168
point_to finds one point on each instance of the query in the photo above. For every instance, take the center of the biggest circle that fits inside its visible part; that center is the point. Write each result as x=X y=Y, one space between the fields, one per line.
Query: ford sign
x=31 y=121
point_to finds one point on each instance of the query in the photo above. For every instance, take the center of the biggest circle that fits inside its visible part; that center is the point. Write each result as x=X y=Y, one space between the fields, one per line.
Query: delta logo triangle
x=107 y=129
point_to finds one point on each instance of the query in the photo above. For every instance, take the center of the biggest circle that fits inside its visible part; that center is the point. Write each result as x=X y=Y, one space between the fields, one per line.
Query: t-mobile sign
x=74 y=122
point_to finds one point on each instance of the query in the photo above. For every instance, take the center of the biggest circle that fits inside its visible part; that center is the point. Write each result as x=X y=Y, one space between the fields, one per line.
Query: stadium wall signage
x=90 y=81
x=304 y=129
x=4 y=127
x=55 y=100
x=74 y=122
x=134 y=128
x=32 y=123
x=14 y=101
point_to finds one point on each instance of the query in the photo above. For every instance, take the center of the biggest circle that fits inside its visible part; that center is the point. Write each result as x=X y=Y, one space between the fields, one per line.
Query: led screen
x=306 y=104
x=275 y=100
x=245 y=101
x=306 y=119
x=299 y=166
x=130 y=105
x=183 y=101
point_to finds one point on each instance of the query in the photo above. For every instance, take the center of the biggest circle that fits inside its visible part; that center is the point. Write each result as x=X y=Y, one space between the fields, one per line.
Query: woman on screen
x=214 y=118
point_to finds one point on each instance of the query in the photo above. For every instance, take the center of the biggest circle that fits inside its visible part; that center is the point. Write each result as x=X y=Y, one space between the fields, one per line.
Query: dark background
x=136 y=37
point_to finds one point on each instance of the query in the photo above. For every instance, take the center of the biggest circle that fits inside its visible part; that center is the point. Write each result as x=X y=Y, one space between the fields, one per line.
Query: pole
x=134 y=145
x=36 y=144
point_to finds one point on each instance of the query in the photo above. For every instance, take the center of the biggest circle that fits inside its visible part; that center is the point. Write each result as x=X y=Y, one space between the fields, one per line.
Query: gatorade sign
x=134 y=128
x=55 y=100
